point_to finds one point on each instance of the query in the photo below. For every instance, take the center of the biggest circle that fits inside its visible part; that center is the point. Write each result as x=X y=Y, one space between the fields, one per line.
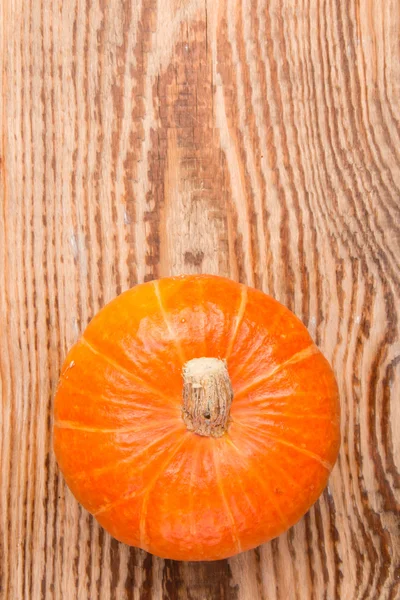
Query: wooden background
x=257 y=139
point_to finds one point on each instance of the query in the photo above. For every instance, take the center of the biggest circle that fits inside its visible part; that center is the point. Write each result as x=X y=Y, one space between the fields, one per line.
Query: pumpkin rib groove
x=234 y=532
x=168 y=325
x=77 y=427
x=233 y=445
x=230 y=441
x=284 y=473
x=289 y=415
x=101 y=470
x=239 y=319
x=268 y=400
x=150 y=486
x=303 y=354
x=324 y=463
x=256 y=349
x=327 y=465
x=195 y=463
x=122 y=369
x=126 y=403
x=267 y=492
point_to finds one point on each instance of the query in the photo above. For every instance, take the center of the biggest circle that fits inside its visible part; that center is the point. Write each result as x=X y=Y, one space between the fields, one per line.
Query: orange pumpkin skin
x=126 y=453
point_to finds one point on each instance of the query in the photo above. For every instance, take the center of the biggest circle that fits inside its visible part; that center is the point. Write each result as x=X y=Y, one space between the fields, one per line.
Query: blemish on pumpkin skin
x=69 y=367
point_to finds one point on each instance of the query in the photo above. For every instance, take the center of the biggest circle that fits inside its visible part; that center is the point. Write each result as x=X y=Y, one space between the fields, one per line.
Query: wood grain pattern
x=256 y=139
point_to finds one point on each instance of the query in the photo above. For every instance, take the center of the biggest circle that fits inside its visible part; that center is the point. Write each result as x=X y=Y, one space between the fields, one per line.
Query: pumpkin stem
x=207 y=396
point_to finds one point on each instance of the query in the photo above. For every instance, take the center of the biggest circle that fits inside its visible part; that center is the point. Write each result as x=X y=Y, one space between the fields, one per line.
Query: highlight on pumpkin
x=196 y=418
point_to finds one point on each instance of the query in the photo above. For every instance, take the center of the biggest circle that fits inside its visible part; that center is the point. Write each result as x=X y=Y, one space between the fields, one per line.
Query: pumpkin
x=196 y=418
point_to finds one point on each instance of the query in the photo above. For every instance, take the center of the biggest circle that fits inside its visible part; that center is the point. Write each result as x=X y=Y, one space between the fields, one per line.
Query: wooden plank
x=257 y=139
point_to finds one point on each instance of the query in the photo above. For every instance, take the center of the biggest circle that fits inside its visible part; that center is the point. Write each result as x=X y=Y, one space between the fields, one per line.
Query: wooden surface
x=258 y=139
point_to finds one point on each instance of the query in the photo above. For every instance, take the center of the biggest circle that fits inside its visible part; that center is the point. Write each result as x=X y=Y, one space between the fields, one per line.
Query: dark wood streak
x=286 y=250
x=135 y=155
x=305 y=311
x=196 y=581
x=273 y=162
x=375 y=526
x=382 y=168
x=292 y=552
x=48 y=178
x=387 y=437
x=377 y=253
x=258 y=572
x=256 y=143
x=321 y=544
x=32 y=321
x=308 y=100
x=278 y=100
x=186 y=135
x=118 y=93
x=355 y=540
x=89 y=569
x=87 y=221
x=130 y=581
x=75 y=240
x=315 y=217
x=310 y=552
x=386 y=489
x=147 y=586
x=77 y=552
x=334 y=536
x=101 y=534
x=23 y=322
x=395 y=120
x=367 y=538
x=225 y=69
x=266 y=115
x=275 y=554
x=114 y=567
x=97 y=175
x=56 y=325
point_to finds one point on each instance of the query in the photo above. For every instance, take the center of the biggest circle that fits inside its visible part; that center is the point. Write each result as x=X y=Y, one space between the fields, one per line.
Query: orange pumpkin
x=196 y=418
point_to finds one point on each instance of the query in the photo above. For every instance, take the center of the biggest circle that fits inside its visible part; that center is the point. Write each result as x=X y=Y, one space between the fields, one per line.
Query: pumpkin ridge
x=239 y=479
x=268 y=400
x=101 y=470
x=267 y=491
x=64 y=424
x=234 y=531
x=122 y=369
x=327 y=465
x=150 y=486
x=268 y=413
x=239 y=319
x=303 y=354
x=255 y=350
x=284 y=473
x=171 y=331
x=195 y=463
x=126 y=402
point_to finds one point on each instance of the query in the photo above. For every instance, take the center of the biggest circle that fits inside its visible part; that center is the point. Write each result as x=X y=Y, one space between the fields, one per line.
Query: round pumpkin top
x=196 y=418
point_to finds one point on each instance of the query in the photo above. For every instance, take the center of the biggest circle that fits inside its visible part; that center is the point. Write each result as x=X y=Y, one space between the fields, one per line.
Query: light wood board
x=256 y=139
